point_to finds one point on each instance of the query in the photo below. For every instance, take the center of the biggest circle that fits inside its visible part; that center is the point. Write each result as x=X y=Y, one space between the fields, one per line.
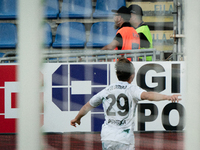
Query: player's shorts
x=111 y=145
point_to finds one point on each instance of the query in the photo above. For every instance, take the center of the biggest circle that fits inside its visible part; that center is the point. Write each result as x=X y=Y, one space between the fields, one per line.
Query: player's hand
x=174 y=98
x=74 y=122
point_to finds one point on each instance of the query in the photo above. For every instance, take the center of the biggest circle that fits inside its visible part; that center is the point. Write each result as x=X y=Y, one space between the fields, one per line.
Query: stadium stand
x=76 y=9
x=103 y=8
x=158 y=15
x=70 y=35
x=8 y=9
x=8 y=35
x=101 y=34
x=51 y=9
x=48 y=36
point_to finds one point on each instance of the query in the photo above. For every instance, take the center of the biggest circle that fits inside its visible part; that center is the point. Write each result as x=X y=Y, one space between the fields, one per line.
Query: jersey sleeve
x=96 y=100
x=137 y=91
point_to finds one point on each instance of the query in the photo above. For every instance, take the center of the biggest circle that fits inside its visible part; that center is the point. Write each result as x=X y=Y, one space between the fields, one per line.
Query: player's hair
x=124 y=69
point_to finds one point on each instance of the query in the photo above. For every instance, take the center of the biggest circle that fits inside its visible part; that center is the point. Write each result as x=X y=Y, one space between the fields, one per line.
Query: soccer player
x=119 y=102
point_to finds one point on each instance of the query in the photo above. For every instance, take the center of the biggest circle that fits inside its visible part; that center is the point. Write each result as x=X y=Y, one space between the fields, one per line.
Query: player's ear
x=131 y=78
x=133 y=75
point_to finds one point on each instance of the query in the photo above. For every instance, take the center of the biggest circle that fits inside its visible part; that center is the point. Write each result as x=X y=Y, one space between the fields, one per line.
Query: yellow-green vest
x=145 y=30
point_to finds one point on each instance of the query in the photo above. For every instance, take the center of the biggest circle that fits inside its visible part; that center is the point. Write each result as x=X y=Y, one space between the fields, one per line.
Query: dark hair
x=124 y=69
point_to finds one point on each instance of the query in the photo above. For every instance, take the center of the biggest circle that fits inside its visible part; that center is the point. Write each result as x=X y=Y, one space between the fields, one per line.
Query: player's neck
x=131 y=78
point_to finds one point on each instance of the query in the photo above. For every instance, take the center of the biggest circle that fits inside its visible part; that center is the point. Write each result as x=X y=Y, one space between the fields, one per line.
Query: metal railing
x=98 y=55
x=59 y=55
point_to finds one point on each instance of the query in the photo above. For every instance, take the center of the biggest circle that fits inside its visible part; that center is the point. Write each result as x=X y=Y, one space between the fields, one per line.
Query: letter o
x=165 y=116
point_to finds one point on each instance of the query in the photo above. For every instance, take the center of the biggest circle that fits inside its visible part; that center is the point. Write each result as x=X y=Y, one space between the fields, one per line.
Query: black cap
x=135 y=9
x=122 y=10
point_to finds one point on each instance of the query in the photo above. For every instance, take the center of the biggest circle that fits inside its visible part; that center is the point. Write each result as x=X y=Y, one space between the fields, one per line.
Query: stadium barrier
x=99 y=55
x=86 y=55
x=94 y=55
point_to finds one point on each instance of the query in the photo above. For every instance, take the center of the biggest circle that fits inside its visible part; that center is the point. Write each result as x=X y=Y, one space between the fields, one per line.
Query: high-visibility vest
x=130 y=38
x=145 y=30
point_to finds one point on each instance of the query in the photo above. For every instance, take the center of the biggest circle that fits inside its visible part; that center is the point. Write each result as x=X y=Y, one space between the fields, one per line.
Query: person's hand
x=174 y=98
x=74 y=121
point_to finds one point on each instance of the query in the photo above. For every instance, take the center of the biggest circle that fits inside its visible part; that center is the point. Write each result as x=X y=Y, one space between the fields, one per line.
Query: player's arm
x=111 y=46
x=83 y=111
x=154 y=96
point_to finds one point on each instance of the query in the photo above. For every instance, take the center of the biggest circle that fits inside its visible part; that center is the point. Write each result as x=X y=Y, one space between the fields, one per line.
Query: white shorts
x=111 y=145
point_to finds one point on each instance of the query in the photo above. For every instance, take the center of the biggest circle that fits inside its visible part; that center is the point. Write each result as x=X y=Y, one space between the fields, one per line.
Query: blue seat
x=2 y=54
x=70 y=34
x=8 y=35
x=51 y=9
x=76 y=9
x=48 y=36
x=8 y=9
x=103 y=8
x=101 y=34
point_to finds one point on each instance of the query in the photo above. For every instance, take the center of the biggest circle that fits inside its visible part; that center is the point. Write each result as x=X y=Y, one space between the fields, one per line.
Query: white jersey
x=119 y=103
